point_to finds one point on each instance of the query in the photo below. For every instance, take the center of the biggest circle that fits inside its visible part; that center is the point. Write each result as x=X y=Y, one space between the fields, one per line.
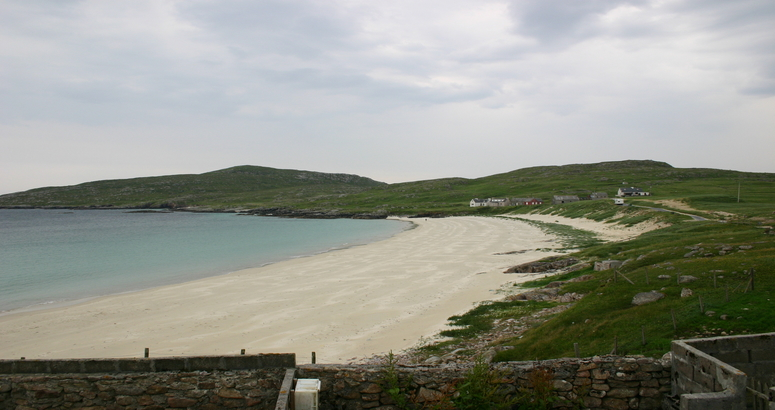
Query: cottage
x=489 y=202
x=598 y=195
x=477 y=202
x=632 y=191
x=564 y=199
x=498 y=202
x=526 y=201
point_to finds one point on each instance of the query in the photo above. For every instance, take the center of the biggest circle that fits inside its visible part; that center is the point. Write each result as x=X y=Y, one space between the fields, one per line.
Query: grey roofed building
x=477 y=202
x=498 y=202
x=632 y=191
x=564 y=199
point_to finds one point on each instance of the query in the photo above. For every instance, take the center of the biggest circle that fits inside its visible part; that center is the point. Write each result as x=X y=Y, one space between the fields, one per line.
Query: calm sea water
x=54 y=256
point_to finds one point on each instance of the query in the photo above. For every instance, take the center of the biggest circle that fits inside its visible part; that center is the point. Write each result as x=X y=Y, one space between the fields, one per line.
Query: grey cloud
x=561 y=22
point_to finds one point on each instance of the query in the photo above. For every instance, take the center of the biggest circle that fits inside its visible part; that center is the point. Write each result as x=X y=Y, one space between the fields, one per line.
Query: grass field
x=719 y=254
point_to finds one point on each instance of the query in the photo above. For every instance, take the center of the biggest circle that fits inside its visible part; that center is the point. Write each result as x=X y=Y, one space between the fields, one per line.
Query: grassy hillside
x=703 y=188
x=719 y=254
x=255 y=187
x=728 y=306
x=242 y=186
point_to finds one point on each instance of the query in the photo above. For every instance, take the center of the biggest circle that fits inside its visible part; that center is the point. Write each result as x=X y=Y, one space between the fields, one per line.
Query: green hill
x=239 y=187
x=250 y=187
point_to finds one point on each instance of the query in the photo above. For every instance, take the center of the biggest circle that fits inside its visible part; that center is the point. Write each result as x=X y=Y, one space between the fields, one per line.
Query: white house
x=632 y=191
x=477 y=202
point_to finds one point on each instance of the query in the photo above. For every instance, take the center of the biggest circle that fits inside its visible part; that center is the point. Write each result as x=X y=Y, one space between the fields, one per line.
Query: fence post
x=702 y=307
x=643 y=335
x=675 y=325
x=147 y=352
x=576 y=350
x=752 y=279
x=647 y=276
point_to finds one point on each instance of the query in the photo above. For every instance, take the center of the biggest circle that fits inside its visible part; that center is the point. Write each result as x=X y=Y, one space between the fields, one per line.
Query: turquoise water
x=53 y=256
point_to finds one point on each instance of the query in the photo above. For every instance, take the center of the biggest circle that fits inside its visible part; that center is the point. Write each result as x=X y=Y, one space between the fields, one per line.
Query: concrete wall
x=712 y=373
x=754 y=355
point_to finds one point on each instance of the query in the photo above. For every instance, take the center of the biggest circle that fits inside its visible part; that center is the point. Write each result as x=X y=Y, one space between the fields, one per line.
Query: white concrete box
x=305 y=396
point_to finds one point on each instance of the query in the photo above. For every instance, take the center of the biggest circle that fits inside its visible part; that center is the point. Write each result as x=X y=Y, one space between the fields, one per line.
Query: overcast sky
x=392 y=90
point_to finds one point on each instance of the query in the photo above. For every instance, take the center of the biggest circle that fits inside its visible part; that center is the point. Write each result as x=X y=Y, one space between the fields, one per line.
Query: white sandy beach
x=345 y=304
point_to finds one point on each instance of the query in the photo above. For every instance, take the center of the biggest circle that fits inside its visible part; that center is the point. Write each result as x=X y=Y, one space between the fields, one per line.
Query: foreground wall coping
x=146 y=365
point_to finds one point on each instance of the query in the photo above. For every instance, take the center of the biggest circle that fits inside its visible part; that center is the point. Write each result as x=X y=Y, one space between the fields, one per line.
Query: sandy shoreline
x=345 y=304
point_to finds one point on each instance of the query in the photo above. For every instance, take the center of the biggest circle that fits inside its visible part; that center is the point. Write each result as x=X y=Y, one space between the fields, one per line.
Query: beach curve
x=345 y=304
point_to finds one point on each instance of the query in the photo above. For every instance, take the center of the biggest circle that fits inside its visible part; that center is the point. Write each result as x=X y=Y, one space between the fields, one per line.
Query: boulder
x=609 y=264
x=433 y=360
x=686 y=279
x=647 y=297
x=685 y=293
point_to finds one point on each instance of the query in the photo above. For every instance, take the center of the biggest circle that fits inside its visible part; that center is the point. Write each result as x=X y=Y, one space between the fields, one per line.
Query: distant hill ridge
x=270 y=190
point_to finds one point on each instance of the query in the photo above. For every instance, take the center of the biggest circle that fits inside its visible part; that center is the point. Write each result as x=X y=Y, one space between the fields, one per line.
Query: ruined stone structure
x=713 y=373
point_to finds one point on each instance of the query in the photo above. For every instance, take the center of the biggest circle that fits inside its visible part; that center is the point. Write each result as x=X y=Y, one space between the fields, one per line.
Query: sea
x=58 y=257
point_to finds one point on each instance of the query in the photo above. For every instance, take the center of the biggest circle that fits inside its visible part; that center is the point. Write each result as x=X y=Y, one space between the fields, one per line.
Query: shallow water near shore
x=50 y=257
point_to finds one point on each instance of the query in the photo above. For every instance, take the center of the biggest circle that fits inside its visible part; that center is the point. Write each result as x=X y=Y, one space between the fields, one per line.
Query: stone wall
x=253 y=382
x=607 y=382
x=211 y=382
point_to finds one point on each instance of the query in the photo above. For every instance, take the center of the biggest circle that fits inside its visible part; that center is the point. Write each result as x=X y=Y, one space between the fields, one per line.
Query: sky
x=392 y=90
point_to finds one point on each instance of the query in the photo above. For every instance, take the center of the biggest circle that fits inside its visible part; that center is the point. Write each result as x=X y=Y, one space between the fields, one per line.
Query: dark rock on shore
x=311 y=213
x=542 y=266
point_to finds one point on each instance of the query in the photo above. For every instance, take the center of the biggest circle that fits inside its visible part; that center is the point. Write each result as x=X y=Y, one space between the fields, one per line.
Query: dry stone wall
x=253 y=382
x=211 y=382
x=607 y=382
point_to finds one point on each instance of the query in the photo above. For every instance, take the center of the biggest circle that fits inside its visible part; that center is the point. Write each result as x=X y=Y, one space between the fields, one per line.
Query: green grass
x=537 y=283
x=570 y=237
x=606 y=313
x=480 y=318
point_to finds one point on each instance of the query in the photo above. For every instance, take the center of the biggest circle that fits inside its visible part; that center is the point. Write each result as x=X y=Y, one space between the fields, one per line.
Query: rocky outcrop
x=312 y=213
x=542 y=266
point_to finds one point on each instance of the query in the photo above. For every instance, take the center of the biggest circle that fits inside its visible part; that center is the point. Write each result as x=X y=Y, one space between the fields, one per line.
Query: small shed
x=564 y=199
x=498 y=202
